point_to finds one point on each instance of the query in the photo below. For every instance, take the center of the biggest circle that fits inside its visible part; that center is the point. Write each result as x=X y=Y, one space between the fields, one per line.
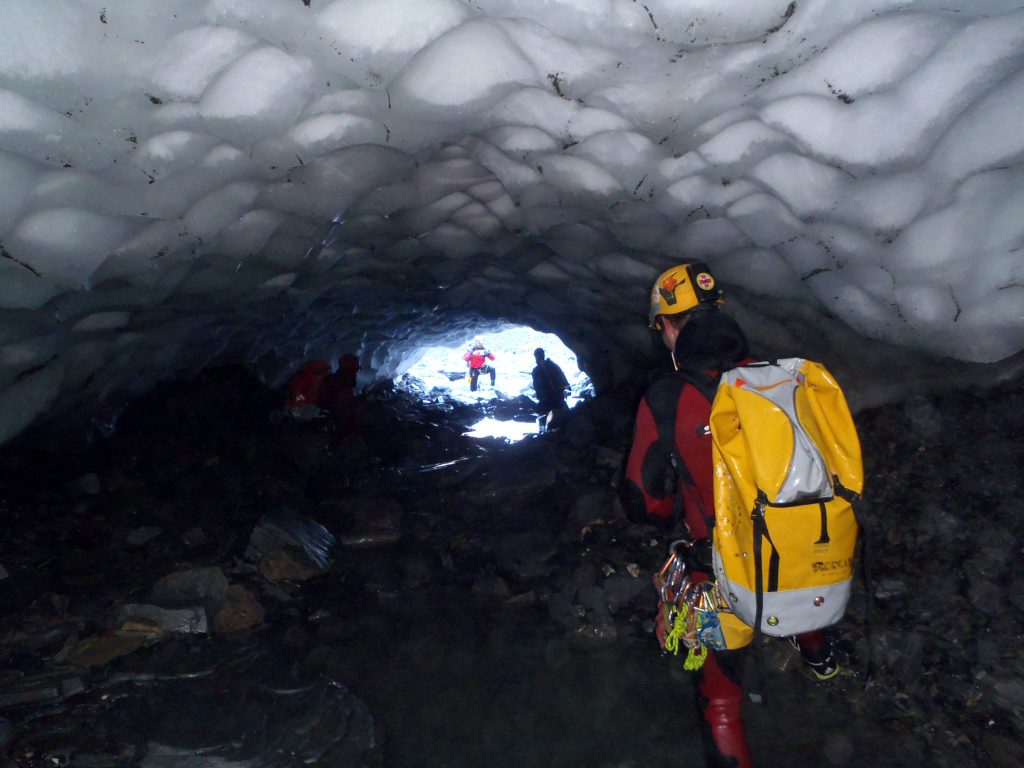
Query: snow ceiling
x=191 y=181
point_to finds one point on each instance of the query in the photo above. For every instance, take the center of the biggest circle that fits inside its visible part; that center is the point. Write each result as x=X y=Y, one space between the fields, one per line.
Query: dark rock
x=40 y=689
x=142 y=536
x=1008 y=693
x=995 y=547
x=194 y=538
x=629 y=592
x=89 y=484
x=1002 y=750
x=525 y=600
x=562 y=610
x=288 y=564
x=1015 y=593
x=285 y=528
x=924 y=417
x=593 y=505
x=581 y=429
x=908 y=668
x=526 y=554
x=240 y=611
x=493 y=588
x=889 y=588
x=197 y=586
x=100 y=651
x=51 y=636
x=368 y=521
x=595 y=602
x=985 y=596
x=592 y=636
x=180 y=620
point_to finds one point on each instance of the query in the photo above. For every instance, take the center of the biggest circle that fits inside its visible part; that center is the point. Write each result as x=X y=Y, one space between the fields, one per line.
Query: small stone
x=374 y=537
x=1001 y=750
x=194 y=538
x=190 y=620
x=100 y=651
x=629 y=591
x=522 y=600
x=889 y=588
x=241 y=611
x=135 y=626
x=208 y=586
x=141 y=536
x=985 y=596
x=288 y=564
x=40 y=689
x=1009 y=693
x=491 y=588
x=593 y=505
x=594 y=635
x=88 y=484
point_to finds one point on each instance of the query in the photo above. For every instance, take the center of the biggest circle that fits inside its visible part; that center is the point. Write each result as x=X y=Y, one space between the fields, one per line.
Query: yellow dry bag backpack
x=787 y=468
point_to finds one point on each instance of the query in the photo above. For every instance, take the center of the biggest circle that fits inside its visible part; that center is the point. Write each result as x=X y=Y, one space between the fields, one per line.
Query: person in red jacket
x=337 y=396
x=669 y=480
x=304 y=390
x=476 y=358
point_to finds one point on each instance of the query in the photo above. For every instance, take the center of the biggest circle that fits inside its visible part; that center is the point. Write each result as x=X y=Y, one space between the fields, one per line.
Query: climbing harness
x=689 y=610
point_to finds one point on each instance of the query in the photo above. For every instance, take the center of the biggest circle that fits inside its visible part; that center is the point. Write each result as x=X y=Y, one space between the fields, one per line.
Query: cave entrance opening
x=507 y=406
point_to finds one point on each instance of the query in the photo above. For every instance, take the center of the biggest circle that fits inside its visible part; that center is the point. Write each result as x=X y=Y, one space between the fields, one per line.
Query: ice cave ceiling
x=187 y=182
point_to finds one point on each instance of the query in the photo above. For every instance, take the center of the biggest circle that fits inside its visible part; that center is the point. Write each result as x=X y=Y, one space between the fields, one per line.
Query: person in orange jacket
x=476 y=358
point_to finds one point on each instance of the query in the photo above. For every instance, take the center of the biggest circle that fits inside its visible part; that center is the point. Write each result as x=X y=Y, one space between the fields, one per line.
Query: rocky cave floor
x=210 y=586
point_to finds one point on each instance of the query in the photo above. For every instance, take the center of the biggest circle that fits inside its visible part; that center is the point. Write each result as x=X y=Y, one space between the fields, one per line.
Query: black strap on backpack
x=858 y=505
x=707 y=385
x=760 y=533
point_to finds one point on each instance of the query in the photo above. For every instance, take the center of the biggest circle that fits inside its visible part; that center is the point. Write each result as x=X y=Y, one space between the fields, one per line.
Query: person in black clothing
x=550 y=385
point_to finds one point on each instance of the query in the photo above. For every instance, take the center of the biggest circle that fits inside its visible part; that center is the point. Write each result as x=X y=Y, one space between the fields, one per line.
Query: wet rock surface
x=213 y=586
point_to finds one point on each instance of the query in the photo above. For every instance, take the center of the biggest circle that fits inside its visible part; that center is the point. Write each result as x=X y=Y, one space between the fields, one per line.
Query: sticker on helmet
x=705 y=281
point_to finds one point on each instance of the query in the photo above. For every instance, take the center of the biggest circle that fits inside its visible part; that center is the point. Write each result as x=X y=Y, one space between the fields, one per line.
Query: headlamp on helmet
x=681 y=289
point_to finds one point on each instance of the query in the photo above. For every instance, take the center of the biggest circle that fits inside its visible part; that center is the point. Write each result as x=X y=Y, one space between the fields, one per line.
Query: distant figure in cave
x=476 y=358
x=550 y=386
x=338 y=399
x=672 y=450
x=304 y=390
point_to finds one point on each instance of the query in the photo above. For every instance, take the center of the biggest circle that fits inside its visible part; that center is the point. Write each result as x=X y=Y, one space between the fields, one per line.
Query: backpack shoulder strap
x=702 y=381
x=669 y=391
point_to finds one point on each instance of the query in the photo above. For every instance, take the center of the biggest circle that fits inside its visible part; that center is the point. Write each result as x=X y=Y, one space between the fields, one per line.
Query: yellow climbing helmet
x=682 y=288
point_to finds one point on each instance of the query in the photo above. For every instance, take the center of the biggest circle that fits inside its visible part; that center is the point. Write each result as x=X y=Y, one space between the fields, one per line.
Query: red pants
x=721 y=697
x=720 y=686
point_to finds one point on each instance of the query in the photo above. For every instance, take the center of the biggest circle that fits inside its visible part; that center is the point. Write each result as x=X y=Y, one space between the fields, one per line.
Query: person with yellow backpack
x=769 y=527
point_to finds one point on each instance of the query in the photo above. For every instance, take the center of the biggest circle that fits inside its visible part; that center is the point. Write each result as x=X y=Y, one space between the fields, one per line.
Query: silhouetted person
x=550 y=385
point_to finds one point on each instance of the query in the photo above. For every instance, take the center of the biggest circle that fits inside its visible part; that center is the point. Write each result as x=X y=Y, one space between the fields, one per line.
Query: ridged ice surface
x=185 y=181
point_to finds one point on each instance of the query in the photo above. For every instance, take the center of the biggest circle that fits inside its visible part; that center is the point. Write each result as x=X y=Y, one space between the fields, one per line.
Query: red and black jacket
x=670 y=459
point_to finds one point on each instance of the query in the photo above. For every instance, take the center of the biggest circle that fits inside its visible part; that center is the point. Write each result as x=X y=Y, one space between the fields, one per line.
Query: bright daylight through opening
x=444 y=372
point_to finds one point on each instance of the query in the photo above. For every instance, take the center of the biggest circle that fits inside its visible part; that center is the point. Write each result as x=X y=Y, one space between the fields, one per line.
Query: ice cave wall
x=186 y=182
